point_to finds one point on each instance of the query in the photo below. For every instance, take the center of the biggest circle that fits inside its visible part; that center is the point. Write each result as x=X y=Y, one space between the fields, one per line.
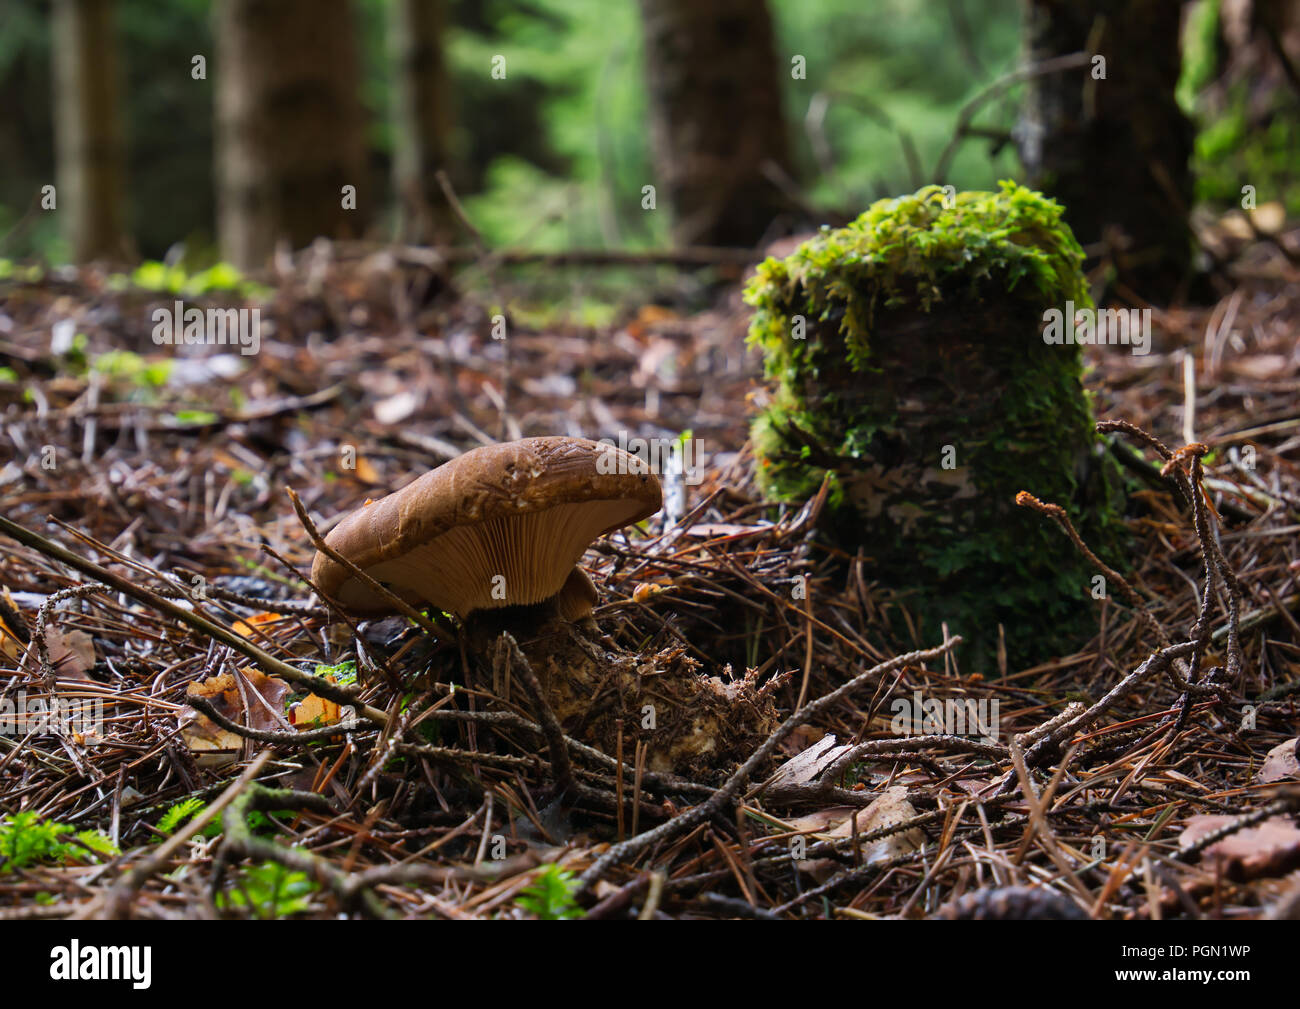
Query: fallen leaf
x=314 y=712
x=804 y=769
x=645 y=590
x=651 y=315
x=212 y=744
x=13 y=628
x=249 y=627
x=397 y=408
x=71 y=653
x=366 y=472
x=1281 y=763
x=1267 y=849
x=648 y=316
x=800 y=739
x=890 y=808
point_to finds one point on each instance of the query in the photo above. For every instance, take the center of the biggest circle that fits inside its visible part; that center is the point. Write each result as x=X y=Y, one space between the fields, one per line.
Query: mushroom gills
x=514 y=560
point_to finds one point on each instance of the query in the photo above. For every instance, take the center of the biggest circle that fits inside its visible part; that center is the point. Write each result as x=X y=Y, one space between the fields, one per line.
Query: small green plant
x=551 y=895
x=152 y=275
x=178 y=814
x=258 y=822
x=155 y=276
x=345 y=673
x=74 y=358
x=132 y=368
x=26 y=839
x=195 y=418
x=270 y=890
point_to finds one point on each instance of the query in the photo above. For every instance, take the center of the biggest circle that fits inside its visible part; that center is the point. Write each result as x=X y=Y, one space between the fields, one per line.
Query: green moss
x=910 y=250
x=922 y=387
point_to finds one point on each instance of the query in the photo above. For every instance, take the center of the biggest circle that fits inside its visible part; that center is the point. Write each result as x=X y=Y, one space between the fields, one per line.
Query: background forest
x=554 y=155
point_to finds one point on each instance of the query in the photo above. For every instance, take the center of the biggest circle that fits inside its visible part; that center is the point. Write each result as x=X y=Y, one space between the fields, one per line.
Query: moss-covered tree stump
x=907 y=356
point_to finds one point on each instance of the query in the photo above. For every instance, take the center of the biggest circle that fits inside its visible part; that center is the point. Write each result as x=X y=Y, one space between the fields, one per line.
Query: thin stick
x=203 y=625
x=808 y=651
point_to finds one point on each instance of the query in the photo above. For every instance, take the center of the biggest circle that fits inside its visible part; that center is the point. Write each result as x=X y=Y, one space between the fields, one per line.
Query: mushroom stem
x=577 y=599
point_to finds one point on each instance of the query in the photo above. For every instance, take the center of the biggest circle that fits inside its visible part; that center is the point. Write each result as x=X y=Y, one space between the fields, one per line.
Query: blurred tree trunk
x=715 y=110
x=88 y=130
x=290 y=134
x=422 y=117
x=1114 y=151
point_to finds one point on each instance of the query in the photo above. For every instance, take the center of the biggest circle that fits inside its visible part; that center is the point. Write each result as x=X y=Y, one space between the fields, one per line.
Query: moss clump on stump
x=908 y=363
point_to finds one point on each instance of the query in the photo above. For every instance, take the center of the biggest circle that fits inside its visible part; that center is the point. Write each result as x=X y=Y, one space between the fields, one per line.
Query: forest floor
x=1162 y=757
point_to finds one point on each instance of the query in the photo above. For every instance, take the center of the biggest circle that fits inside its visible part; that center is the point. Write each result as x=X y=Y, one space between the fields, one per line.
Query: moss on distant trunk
x=921 y=383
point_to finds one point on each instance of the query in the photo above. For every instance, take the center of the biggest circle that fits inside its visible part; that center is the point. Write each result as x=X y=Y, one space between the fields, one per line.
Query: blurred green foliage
x=555 y=154
x=1244 y=136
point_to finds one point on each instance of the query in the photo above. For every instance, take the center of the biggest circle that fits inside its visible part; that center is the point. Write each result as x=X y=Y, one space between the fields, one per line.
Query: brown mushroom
x=500 y=526
x=494 y=537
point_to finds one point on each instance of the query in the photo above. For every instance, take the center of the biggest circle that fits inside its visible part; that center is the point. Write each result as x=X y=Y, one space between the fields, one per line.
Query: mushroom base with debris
x=689 y=723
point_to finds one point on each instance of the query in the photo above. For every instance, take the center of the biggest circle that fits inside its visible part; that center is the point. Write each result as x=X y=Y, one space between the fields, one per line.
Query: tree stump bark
x=909 y=364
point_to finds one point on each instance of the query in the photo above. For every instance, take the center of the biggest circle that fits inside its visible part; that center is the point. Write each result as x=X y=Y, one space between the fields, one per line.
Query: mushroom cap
x=501 y=525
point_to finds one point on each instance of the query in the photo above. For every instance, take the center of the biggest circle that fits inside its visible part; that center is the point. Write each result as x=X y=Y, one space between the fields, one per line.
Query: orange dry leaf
x=645 y=590
x=647 y=317
x=11 y=645
x=314 y=712
x=249 y=626
x=212 y=744
x=366 y=472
